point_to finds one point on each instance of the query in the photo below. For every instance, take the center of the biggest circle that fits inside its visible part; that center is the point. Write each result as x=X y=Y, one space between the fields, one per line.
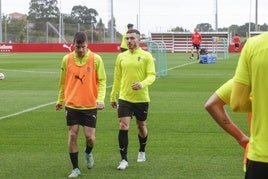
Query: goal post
x=220 y=47
x=158 y=51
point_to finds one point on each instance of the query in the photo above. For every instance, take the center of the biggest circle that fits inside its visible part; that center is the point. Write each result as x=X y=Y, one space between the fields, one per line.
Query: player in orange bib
x=82 y=88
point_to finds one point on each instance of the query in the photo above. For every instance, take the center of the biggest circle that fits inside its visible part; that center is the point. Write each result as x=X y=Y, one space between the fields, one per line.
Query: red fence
x=13 y=47
x=56 y=47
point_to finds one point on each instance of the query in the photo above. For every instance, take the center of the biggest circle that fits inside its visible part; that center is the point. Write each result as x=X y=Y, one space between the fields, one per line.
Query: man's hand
x=58 y=107
x=100 y=105
x=243 y=142
x=113 y=104
x=136 y=86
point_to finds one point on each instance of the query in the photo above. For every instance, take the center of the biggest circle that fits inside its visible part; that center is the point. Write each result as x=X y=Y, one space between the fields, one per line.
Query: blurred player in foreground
x=251 y=77
x=215 y=107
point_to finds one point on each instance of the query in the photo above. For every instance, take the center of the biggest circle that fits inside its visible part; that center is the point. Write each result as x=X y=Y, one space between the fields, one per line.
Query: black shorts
x=196 y=46
x=256 y=170
x=236 y=45
x=139 y=110
x=86 y=117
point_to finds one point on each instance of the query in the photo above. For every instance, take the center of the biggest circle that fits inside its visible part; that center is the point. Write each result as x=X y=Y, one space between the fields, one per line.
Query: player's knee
x=90 y=139
x=124 y=125
x=72 y=137
x=141 y=126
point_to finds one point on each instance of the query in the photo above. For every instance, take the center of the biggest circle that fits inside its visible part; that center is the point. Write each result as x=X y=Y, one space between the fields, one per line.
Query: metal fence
x=52 y=33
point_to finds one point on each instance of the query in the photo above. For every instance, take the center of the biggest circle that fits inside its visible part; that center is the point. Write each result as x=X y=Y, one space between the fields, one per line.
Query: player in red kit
x=196 y=41
x=236 y=40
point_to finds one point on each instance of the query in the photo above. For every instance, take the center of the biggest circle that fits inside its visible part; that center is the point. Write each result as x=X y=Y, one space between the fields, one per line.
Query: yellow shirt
x=224 y=92
x=124 y=41
x=252 y=71
x=129 y=68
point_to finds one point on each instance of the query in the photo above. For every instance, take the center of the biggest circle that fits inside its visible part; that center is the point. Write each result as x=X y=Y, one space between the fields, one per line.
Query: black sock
x=74 y=159
x=143 y=142
x=88 y=149
x=123 y=143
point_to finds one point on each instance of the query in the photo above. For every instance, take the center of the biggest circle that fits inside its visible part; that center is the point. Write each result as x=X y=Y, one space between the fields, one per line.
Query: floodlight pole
x=60 y=23
x=256 y=16
x=216 y=17
x=139 y=16
x=1 y=31
x=249 y=23
x=112 y=22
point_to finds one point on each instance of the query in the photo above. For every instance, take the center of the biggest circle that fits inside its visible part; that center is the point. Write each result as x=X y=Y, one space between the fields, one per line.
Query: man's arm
x=116 y=83
x=240 y=101
x=61 y=97
x=215 y=107
x=150 y=71
x=101 y=75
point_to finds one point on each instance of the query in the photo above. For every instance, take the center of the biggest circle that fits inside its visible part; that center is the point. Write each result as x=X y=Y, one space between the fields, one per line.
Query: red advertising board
x=55 y=47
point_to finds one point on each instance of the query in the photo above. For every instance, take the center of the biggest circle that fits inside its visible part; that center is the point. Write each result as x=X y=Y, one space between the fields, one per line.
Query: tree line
x=84 y=19
x=234 y=29
x=42 y=12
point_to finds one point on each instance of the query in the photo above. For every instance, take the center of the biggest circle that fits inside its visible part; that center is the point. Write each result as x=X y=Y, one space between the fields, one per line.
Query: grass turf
x=184 y=142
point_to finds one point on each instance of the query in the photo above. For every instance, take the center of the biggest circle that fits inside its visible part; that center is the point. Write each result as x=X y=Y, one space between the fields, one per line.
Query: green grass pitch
x=184 y=141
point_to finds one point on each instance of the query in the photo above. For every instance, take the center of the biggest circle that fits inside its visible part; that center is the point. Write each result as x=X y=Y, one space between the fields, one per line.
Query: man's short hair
x=130 y=26
x=79 y=38
x=133 y=31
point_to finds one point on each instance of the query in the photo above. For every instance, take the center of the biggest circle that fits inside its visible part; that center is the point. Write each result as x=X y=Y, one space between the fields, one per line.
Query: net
x=158 y=50
x=220 y=47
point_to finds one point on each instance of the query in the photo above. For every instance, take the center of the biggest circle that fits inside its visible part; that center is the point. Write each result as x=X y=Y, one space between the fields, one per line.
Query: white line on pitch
x=29 y=71
x=33 y=108
x=54 y=102
x=27 y=110
x=182 y=65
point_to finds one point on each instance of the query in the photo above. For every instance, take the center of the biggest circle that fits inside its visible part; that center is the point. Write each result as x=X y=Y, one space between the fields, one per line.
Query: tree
x=42 y=11
x=204 y=27
x=84 y=15
x=234 y=29
x=16 y=29
x=100 y=25
x=264 y=27
x=178 y=29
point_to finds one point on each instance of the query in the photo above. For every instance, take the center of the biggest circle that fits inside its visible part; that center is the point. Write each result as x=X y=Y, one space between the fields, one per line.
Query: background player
x=123 y=46
x=236 y=40
x=196 y=41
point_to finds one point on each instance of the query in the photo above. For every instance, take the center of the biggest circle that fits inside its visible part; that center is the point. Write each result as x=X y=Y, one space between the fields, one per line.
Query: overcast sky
x=161 y=15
